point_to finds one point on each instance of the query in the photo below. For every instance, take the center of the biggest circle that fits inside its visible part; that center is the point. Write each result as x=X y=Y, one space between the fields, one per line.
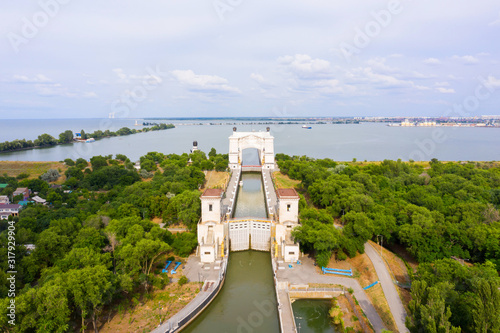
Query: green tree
x=66 y=137
x=98 y=162
x=91 y=288
x=50 y=176
x=486 y=306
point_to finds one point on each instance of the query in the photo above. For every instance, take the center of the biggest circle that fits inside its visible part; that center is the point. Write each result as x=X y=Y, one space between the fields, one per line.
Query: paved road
x=391 y=294
x=306 y=273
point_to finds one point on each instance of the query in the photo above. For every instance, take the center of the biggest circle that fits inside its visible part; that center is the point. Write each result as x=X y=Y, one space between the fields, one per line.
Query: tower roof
x=287 y=193
x=212 y=193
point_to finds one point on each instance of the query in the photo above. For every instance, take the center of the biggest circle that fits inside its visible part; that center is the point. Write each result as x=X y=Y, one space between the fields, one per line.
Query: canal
x=247 y=301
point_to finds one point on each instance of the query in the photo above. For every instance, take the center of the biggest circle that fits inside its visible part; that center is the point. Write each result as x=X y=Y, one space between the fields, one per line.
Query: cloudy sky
x=211 y=58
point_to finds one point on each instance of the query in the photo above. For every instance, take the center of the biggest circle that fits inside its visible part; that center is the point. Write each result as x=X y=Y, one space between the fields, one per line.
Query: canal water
x=312 y=315
x=250 y=201
x=247 y=302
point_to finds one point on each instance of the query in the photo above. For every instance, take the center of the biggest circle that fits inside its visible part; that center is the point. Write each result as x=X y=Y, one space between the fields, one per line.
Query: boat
x=90 y=140
x=136 y=123
x=306 y=127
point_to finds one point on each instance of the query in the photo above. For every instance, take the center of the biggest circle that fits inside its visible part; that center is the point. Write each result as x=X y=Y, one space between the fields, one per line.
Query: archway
x=262 y=141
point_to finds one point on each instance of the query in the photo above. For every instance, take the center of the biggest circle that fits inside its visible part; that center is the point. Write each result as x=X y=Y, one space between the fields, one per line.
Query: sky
x=242 y=58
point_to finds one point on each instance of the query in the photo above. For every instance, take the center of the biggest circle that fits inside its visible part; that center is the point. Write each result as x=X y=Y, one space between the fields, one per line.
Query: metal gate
x=260 y=236
x=239 y=235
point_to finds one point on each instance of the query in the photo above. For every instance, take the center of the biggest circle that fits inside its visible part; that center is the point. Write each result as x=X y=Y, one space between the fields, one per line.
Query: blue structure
x=344 y=272
x=371 y=285
x=177 y=264
x=165 y=270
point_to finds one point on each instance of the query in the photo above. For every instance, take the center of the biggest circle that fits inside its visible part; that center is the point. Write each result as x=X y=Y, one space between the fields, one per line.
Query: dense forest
x=439 y=212
x=95 y=241
x=47 y=140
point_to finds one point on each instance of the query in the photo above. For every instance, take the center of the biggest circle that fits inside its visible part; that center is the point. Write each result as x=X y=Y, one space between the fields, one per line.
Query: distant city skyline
x=221 y=58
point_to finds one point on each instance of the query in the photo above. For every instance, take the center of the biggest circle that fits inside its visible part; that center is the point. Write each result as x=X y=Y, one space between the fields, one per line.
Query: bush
x=50 y=176
x=182 y=280
x=341 y=255
x=69 y=162
x=23 y=175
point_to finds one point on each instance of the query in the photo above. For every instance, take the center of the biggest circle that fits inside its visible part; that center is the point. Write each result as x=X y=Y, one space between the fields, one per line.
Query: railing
x=171 y=326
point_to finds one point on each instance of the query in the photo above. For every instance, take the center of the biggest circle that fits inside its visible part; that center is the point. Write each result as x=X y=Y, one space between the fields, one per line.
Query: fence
x=357 y=314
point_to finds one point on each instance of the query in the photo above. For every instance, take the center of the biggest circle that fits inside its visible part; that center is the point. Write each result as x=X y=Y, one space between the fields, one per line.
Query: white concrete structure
x=262 y=141
x=288 y=217
x=4 y=200
x=210 y=228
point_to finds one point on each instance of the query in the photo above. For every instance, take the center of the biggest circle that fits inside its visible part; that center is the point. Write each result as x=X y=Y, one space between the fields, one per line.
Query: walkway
x=307 y=273
x=194 y=271
x=232 y=189
x=271 y=199
x=390 y=292
x=286 y=312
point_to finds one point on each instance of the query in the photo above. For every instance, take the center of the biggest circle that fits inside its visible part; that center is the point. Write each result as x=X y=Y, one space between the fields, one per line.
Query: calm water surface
x=246 y=303
x=312 y=315
x=250 y=201
x=367 y=141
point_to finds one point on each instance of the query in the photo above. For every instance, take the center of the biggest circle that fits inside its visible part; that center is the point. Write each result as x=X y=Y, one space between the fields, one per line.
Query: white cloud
x=89 y=94
x=40 y=78
x=496 y=22
x=467 y=59
x=432 y=61
x=261 y=80
x=493 y=81
x=203 y=83
x=304 y=66
x=442 y=84
x=445 y=90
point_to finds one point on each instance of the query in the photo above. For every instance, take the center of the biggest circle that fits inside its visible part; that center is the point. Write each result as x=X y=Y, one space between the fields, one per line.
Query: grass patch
x=216 y=179
x=283 y=181
x=143 y=314
x=34 y=169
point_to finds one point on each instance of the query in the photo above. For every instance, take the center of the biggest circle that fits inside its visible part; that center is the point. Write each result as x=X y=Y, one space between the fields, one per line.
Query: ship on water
x=306 y=127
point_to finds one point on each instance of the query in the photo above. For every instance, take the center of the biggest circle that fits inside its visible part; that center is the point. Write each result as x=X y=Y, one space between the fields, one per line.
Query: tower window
x=210 y=207
x=288 y=207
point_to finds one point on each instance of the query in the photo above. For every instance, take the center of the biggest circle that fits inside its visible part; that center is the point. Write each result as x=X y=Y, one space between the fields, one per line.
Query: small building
x=288 y=217
x=39 y=200
x=2 y=186
x=55 y=186
x=9 y=210
x=4 y=200
x=25 y=203
x=210 y=228
x=22 y=190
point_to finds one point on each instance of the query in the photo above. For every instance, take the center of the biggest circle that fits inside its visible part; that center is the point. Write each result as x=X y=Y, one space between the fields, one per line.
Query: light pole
x=299 y=328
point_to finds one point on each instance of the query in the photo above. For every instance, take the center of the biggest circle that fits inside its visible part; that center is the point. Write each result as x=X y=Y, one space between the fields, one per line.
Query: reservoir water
x=366 y=141
x=312 y=315
x=247 y=301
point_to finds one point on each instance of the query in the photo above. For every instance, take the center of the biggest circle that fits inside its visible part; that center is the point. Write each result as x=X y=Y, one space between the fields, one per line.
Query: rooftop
x=3 y=185
x=288 y=193
x=212 y=193
x=10 y=206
